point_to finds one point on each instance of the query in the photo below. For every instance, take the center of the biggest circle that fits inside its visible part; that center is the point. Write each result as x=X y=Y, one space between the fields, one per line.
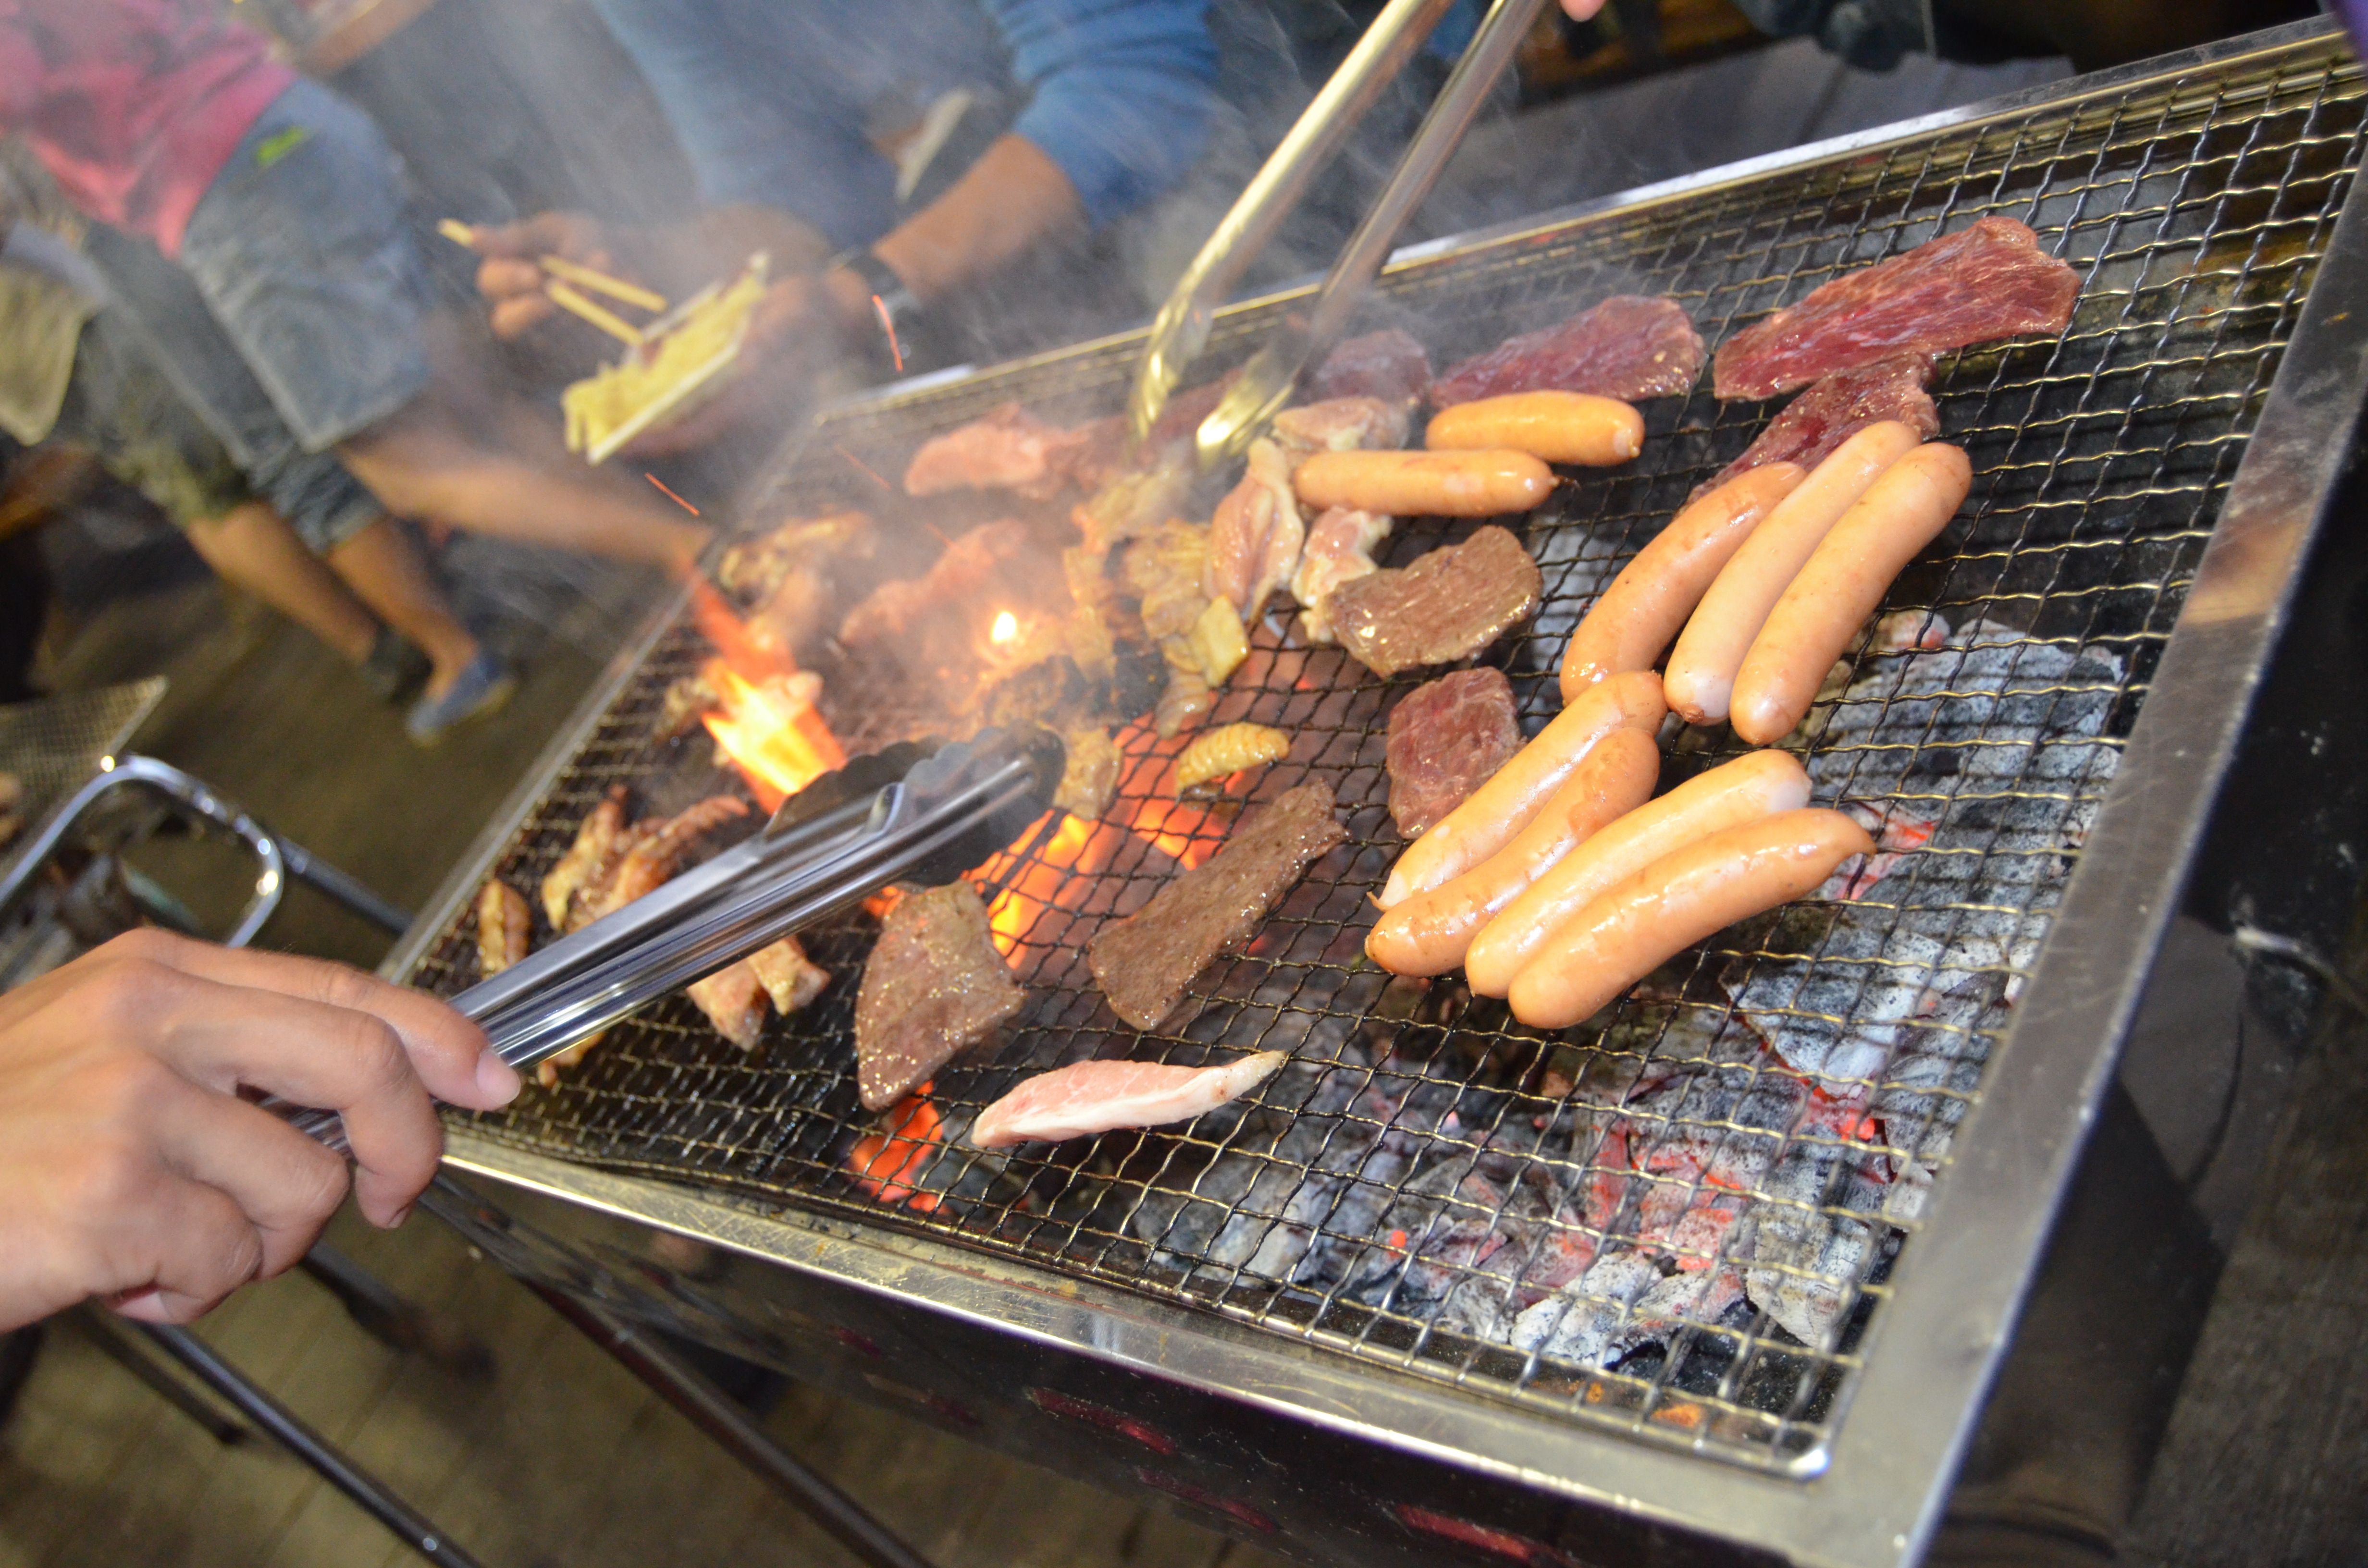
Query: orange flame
x=772 y=733
x=1007 y=626
x=742 y=652
x=1015 y=911
x=884 y=1163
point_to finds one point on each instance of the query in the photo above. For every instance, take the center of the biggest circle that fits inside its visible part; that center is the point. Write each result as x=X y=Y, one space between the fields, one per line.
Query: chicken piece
x=752 y=570
x=1340 y=425
x=686 y=701
x=1219 y=641
x=1134 y=503
x=1224 y=751
x=591 y=899
x=797 y=615
x=1089 y=780
x=657 y=853
x=1340 y=545
x=734 y=1001
x=1086 y=1098
x=1254 y=541
x=594 y=840
x=1187 y=699
x=505 y=927
x=789 y=977
x=1167 y=568
x=546 y=1071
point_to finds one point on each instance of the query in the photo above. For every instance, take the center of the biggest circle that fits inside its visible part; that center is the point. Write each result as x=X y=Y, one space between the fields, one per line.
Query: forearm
x=1012 y=200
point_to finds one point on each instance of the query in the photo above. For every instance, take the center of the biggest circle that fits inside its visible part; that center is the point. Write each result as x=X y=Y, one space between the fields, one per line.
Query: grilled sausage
x=1845 y=579
x=1645 y=606
x=1515 y=793
x=1651 y=916
x=1745 y=790
x=1560 y=427
x=1442 y=485
x=1711 y=649
x=1429 y=933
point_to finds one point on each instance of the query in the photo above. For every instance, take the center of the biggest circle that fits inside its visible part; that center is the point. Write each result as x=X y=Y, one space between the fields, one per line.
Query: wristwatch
x=897 y=306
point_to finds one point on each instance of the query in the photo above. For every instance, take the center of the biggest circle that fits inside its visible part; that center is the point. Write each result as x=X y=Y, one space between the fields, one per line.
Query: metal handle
x=1268 y=381
x=1181 y=328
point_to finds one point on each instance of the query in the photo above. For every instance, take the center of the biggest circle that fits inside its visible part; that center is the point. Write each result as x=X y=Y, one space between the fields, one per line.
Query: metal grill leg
x=393 y=1321
x=126 y=1352
x=417 y=1530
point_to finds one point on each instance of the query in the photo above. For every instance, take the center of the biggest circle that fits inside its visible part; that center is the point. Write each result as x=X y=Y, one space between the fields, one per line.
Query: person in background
x=177 y=126
x=134 y=1169
x=294 y=529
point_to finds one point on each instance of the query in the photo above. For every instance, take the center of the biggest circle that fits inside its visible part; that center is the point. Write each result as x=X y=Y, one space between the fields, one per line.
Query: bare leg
x=420 y=466
x=252 y=547
x=386 y=572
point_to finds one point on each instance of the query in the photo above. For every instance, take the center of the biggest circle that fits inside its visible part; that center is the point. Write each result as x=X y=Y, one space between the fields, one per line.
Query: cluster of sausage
x=1485 y=459
x=1562 y=881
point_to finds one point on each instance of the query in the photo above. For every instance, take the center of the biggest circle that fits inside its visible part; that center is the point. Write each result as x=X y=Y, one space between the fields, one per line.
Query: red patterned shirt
x=134 y=105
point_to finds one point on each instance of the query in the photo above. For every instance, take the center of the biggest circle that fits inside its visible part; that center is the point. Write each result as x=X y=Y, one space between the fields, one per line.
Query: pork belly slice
x=1447 y=606
x=1838 y=407
x=1629 y=346
x=1389 y=364
x=935 y=987
x=1447 y=737
x=1342 y=425
x=1145 y=961
x=1010 y=449
x=1980 y=284
x=1086 y=1098
x=1340 y=544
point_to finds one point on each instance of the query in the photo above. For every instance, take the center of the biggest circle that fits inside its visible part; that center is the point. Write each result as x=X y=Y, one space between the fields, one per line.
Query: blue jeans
x=301 y=249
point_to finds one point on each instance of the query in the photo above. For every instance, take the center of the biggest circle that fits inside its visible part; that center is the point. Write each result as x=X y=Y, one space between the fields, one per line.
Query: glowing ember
x=881 y=1163
x=1015 y=909
x=1007 y=626
x=772 y=733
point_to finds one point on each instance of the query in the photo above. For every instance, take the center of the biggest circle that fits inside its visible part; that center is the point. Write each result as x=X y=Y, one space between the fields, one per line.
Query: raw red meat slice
x=1446 y=739
x=1837 y=408
x=1086 y=1098
x=1629 y=347
x=1979 y=284
x=1388 y=364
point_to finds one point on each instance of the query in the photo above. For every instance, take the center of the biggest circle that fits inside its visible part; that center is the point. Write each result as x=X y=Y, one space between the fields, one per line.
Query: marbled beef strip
x=1838 y=407
x=1629 y=346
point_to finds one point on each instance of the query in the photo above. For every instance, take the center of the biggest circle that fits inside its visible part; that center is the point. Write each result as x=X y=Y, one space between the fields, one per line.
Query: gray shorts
x=301 y=249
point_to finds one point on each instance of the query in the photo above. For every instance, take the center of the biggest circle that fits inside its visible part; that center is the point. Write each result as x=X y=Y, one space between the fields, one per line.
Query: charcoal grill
x=2148 y=488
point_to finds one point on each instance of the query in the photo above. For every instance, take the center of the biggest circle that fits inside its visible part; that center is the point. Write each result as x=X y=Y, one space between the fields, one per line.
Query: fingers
x=499 y=276
x=1582 y=10
x=183 y=1246
x=284 y=1185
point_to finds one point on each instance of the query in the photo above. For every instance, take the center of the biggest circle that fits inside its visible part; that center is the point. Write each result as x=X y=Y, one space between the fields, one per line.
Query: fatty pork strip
x=655 y=853
x=1086 y=1098
x=1628 y=347
x=934 y=987
x=1837 y=407
x=1447 y=606
x=1987 y=281
x=734 y=998
x=505 y=927
x=1447 y=737
x=1145 y=962
x=1340 y=544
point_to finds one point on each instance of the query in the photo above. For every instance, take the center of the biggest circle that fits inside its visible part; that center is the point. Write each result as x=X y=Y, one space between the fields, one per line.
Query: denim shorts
x=301 y=248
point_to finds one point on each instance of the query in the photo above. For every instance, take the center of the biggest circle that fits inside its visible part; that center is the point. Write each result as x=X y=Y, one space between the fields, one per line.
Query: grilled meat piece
x=686 y=701
x=546 y=1071
x=1447 y=606
x=1009 y=449
x=1629 y=346
x=505 y=927
x=1388 y=364
x=1133 y=503
x=1447 y=738
x=969 y=564
x=752 y=570
x=789 y=977
x=656 y=854
x=1167 y=568
x=1985 y=283
x=734 y=1002
x=1145 y=961
x=1090 y=778
x=593 y=850
x=1086 y=1098
x=1339 y=546
x=1255 y=539
x=934 y=987
x=1839 y=407
x=1342 y=425
x=591 y=899
x=1225 y=751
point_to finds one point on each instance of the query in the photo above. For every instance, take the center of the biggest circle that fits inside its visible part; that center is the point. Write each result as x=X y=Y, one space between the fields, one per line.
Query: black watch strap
x=881 y=278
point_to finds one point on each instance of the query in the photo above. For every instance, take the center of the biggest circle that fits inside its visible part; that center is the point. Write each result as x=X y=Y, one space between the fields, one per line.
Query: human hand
x=1582 y=10
x=800 y=325
x=509 y=278
x=135 y=1167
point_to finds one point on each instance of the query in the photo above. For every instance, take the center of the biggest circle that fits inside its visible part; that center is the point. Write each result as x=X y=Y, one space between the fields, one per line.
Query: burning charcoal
x=1628 y=347
x=1447 y=606
x=1145 y=961
x=1447 y=737
x=934 y=987
x=1580 y=1322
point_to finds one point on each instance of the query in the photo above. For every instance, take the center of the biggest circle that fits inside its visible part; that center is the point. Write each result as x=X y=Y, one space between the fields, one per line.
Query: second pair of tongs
x=908 y=814
x=1266 y=382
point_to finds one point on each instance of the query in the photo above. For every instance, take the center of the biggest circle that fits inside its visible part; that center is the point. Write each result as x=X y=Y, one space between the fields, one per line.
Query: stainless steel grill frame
x=2200 y=197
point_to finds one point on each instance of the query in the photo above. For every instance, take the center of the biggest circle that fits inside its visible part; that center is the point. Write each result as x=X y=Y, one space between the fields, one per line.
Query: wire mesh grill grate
x=1725 y=1212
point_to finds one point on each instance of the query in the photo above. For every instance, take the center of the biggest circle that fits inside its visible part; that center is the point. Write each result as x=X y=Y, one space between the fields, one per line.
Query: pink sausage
x=1634 y=619
x=1441 y=485
x=1634 y=927
x=1845 y=579
x=1711 y=649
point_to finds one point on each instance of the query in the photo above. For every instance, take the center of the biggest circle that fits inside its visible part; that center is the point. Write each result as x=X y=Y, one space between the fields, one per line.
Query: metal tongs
x=907 y=813
x=1181 y=329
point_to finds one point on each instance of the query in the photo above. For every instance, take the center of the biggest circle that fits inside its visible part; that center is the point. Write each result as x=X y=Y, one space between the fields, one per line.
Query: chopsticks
x=563 y=273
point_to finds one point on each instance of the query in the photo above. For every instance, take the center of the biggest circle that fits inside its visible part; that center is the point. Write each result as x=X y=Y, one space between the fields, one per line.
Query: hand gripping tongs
x=907 y=814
